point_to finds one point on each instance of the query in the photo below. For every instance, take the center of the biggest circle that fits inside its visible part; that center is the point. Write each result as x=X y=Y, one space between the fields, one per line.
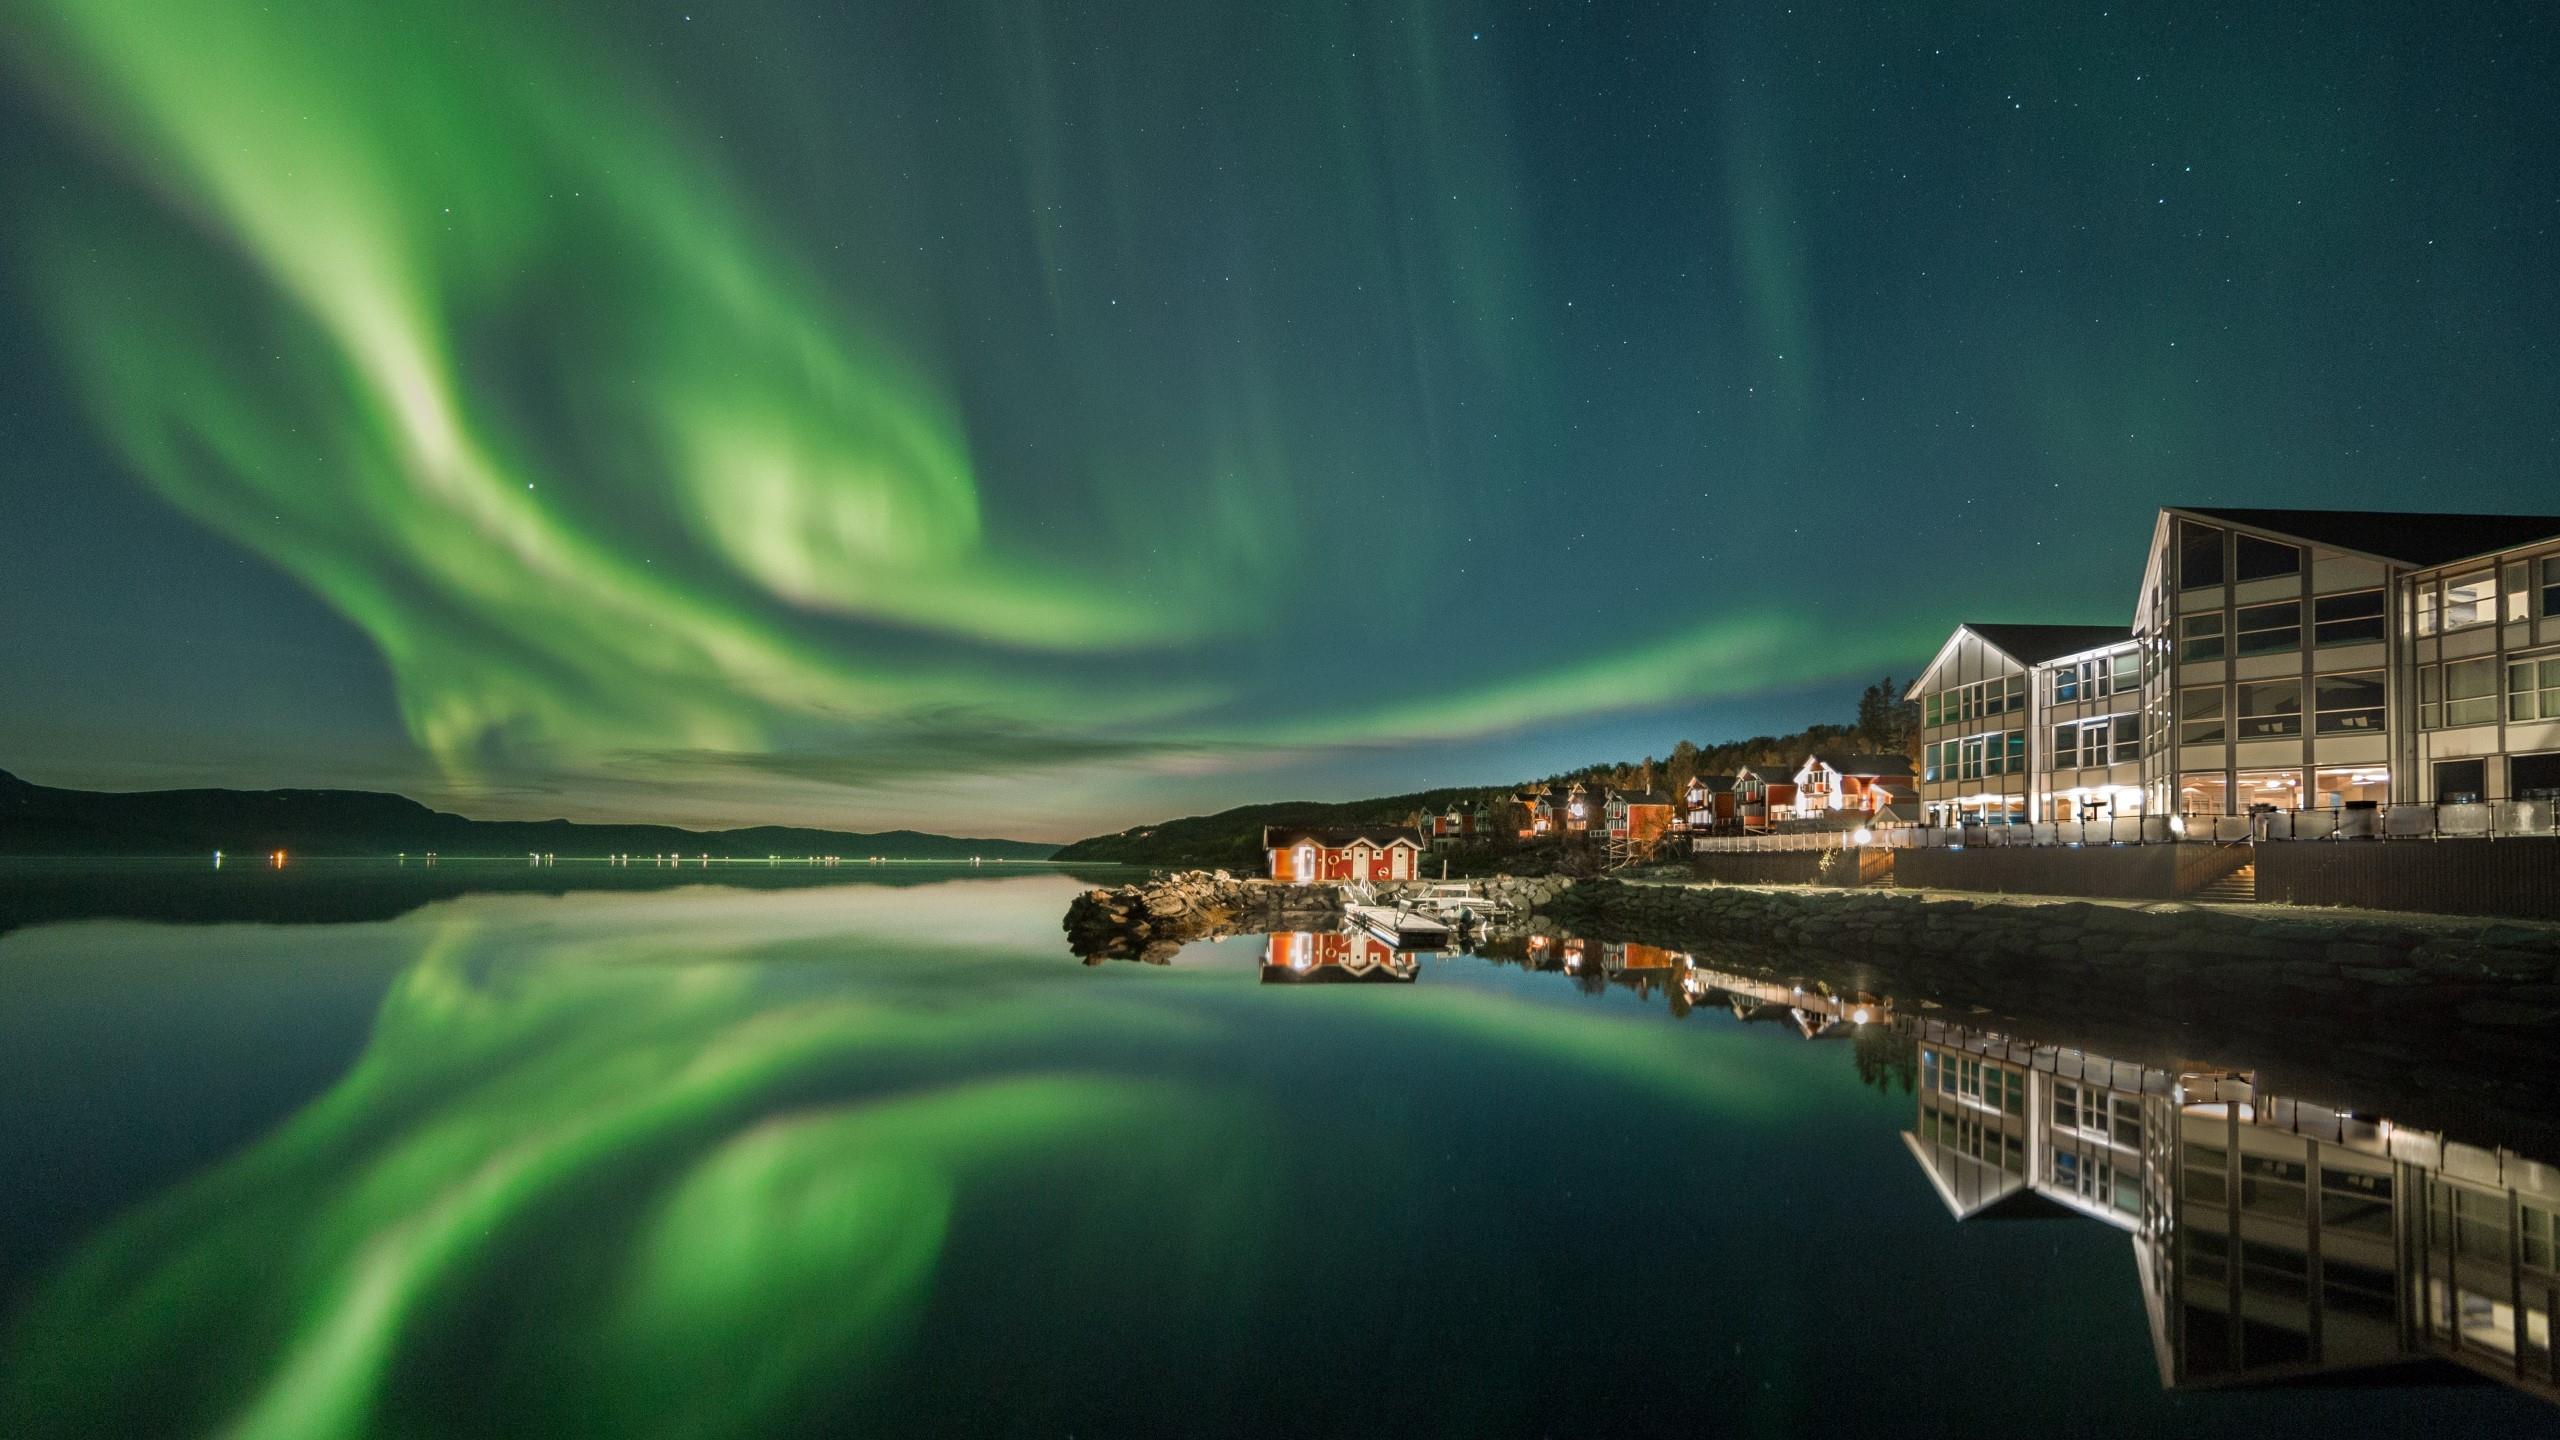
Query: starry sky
x=1034 y=417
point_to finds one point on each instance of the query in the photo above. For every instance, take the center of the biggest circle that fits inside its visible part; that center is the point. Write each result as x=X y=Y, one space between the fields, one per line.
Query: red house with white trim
x=1315 y=855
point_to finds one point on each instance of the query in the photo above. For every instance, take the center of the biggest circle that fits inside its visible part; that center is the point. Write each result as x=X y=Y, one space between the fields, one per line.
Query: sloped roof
x=2035 y=644
x=1640 y=797
x=1865 y=766
x=1715 y=782
x=2411 y=538
x=1283 y=837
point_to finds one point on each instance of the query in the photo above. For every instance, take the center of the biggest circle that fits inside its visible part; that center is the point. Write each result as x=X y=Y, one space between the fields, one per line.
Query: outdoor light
x=2177 y=824
x=1863 y=836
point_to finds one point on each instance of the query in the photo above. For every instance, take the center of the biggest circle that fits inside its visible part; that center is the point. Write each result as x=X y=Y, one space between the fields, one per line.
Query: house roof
x=1713 y=782
x=2411 y=538
x=1640 y=797
x=1864 y=766
x=2035 y=644
x=1283 y=837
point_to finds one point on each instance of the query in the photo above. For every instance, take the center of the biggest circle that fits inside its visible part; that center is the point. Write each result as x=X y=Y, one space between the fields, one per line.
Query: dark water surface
x=835 y=1152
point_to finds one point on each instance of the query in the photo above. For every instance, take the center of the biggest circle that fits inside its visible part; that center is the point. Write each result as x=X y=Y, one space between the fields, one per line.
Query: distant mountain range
x=41 y=820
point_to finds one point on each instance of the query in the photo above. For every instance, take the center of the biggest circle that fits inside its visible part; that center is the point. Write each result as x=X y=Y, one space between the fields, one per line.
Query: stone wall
x=2498 y=981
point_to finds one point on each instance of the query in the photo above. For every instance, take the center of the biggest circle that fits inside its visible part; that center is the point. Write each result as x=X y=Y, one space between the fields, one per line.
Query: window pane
x=2200 y=716
x=2347 y=619
x=2427 y=599
x=2349 y=704
x=2551 y=585
x=2470 y=600
x=2331 y=789
x=2200 y=637
x=2519 y=595
x=2268 y=629
x=2265 y=559
x=2204 y=792
x=2128 y=671
x=2128 y=738
x=2199 y=554
x=2471 y=692
x=2270 y=709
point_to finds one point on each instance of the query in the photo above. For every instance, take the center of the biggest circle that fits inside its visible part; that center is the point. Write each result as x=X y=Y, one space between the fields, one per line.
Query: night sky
x=1033 y=418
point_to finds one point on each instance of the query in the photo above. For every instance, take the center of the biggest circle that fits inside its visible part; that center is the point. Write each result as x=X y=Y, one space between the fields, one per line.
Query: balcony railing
x=2486 y=821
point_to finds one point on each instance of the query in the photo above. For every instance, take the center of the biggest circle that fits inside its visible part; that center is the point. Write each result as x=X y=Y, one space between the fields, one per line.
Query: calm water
x=851 y=1153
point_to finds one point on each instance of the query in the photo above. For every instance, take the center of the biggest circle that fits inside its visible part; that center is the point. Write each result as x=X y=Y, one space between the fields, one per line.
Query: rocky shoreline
x=1154 y=918
x=2431 y=1013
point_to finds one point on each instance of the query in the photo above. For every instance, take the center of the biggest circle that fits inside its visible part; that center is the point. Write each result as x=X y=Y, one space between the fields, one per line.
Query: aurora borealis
x=701 y=1163
x=1072 y=413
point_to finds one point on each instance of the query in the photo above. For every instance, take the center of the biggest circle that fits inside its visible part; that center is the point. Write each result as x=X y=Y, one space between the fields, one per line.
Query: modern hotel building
x=2031 y=722
x=2295 y=659
x=2306 y=658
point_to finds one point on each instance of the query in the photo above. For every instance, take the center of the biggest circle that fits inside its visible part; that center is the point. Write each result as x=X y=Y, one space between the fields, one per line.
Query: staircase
x=2240 y=887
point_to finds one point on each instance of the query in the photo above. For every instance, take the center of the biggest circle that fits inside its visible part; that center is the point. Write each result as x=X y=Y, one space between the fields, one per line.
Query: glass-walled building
x=2030 y=722
x=2484 y=653
x=2295 y=653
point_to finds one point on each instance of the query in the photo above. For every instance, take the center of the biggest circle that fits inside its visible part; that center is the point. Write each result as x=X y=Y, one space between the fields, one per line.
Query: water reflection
x=1315 y=957
x=2274 y=1239
x=879 y=1159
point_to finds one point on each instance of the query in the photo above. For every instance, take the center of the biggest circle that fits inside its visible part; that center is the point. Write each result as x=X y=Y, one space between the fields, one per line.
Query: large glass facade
x=2278 y=789
x=2332 y=789
x=2204 y=792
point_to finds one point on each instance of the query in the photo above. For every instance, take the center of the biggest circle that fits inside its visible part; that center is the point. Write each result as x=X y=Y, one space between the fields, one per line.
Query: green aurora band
x=456 y=319
x=706 y=1151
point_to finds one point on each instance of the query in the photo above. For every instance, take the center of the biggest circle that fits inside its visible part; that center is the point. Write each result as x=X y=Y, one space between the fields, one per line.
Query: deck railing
x=2486 y=820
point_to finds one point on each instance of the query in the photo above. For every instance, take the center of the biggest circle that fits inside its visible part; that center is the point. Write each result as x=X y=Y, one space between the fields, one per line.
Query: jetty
x=1400 y=925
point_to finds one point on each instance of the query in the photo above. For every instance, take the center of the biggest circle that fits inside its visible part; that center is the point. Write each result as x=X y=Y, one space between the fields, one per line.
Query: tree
x=1886 y=721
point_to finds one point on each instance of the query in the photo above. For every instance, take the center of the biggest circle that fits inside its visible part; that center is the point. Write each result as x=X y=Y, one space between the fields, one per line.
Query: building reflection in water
x=2273 y=1239
x=1317 y=957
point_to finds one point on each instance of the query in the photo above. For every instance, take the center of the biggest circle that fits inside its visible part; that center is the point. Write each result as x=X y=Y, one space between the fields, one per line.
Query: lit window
x=2128 y=670
x=2533 y=689
x=2471 y=692
x=2470 y=600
